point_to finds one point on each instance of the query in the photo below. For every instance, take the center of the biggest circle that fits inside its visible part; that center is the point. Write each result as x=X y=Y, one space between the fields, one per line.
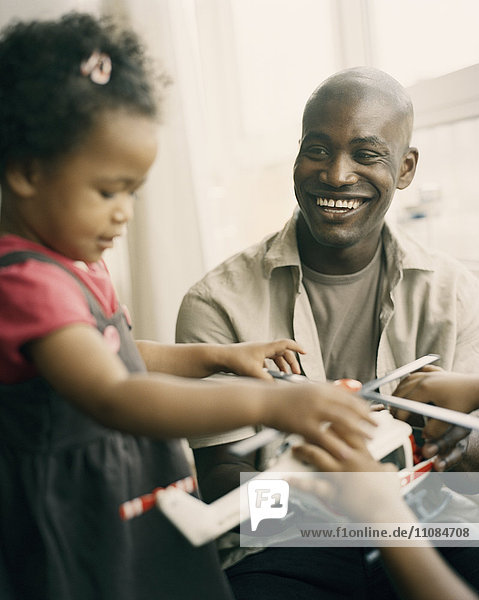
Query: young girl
x=77 y=116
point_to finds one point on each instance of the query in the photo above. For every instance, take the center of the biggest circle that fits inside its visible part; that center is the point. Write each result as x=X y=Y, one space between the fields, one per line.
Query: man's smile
x=345 y=203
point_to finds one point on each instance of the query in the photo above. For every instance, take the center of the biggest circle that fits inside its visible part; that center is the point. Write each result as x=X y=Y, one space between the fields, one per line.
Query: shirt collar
x=402 y=252
x=283 y=251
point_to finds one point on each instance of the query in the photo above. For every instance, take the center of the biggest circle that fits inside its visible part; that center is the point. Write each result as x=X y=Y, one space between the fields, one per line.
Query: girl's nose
x=123 y=209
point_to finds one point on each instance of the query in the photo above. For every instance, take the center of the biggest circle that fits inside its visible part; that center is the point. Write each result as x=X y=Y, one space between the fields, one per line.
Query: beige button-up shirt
x=431 y=304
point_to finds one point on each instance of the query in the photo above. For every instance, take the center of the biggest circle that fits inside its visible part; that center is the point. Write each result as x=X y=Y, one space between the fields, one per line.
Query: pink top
x=39 y=298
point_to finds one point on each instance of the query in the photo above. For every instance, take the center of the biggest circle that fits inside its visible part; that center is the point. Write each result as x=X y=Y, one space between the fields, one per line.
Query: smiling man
x=354 y=154
x=361 y=297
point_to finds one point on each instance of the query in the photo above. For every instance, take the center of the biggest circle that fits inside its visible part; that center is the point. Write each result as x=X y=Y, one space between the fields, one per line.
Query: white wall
x=242 y=71
x=36 y=9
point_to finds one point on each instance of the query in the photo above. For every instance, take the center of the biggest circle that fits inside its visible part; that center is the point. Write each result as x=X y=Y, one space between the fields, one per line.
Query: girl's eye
x=133 y=193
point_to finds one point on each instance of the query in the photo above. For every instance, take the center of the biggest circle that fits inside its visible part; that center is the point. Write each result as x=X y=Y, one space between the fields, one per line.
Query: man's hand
x=448 y=449
x=455 y=391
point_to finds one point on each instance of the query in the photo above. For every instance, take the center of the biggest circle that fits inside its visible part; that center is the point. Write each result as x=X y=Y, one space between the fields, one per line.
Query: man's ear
x=408 y=168
x=21 y=177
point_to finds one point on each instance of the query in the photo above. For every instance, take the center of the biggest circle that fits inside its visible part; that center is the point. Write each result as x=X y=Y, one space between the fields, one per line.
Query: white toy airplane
x=393 y=442
x=201 y=523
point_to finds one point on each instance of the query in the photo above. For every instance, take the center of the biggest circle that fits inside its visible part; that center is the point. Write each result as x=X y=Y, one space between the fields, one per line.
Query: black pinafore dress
x=63 y=478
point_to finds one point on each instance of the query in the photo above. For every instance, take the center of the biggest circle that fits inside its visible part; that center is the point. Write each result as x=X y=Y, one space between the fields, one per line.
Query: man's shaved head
x=363 y=83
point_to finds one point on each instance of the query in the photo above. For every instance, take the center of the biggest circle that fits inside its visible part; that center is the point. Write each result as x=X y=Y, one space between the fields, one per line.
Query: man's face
x=353 y=156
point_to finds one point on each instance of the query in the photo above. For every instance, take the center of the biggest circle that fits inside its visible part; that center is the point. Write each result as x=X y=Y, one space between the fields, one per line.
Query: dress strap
x=21 y=256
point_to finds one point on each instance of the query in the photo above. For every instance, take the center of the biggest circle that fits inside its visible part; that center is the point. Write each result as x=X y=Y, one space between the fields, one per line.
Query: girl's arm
x=201 y=360
x=422 y=574
x=369 y=493
x=79 y=365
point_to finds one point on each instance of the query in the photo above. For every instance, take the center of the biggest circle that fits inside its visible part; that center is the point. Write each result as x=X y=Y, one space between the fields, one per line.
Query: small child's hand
x=359 y=486
x=247 y=358
x=323 y=414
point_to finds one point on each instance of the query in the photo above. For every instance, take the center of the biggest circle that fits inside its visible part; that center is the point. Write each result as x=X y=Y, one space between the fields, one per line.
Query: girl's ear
x=20 y=177
x=408 y=168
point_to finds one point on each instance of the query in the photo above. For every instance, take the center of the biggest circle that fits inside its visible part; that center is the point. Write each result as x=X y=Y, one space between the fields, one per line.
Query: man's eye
x=315 y=151
x=366 y=156
x=107 y=194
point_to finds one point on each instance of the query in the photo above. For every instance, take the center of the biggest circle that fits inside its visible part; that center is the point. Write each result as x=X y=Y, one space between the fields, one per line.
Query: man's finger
x=399 y=413
x=415 y=420
x=452 y=439
x=442 y=463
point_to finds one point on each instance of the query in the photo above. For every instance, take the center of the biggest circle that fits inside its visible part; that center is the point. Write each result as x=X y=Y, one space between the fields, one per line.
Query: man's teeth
x=339 y=203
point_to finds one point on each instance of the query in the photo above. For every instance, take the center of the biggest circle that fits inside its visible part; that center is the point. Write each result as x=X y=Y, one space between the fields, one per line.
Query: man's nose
x=123 y=209
x=339 y=171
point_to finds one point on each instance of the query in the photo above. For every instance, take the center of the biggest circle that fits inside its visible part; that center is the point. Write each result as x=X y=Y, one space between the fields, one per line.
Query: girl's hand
x=322 y=413
x=359 y=486
x=248 y=358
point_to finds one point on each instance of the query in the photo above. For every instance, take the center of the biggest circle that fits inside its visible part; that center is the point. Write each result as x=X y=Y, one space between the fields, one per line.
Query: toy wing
x=447 y=415
x=367 y=391
x=201 y=523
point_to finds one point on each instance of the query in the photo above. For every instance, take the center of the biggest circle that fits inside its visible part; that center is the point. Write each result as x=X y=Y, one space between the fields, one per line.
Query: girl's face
x=86 y=199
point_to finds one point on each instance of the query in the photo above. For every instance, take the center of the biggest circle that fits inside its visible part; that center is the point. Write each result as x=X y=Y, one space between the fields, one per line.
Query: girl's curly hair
x=46 y=105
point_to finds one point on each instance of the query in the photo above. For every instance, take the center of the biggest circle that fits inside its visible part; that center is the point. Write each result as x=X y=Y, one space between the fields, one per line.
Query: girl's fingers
x=280 y=346
x=320 y=487
x=338 y=445
x=361 y=460
x=281 y=363
x=353 y=440
x=288 y=362
x=283 y=352
x=293 y=363
x=349 y=410
x=316 y=456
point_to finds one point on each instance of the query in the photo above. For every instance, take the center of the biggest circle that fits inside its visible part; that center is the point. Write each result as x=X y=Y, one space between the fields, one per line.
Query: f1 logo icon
x=267 y=499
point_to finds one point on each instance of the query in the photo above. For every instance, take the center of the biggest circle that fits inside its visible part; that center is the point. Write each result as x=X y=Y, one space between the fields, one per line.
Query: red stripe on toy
x=138 y=506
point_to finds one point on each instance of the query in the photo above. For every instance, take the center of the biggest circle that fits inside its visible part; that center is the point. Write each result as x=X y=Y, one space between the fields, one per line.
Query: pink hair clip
x=97 y=67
